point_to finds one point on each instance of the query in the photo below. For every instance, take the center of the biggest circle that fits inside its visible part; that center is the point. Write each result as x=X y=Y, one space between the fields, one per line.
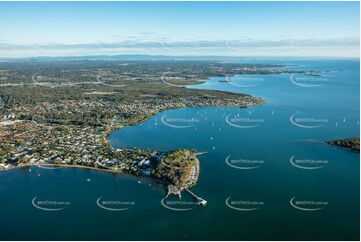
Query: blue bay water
x=328 y=110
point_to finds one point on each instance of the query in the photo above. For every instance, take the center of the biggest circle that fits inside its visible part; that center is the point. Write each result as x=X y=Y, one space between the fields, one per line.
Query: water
x=326 y=111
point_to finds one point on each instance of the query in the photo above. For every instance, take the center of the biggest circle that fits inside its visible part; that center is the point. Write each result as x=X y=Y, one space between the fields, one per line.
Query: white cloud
x=343 y=47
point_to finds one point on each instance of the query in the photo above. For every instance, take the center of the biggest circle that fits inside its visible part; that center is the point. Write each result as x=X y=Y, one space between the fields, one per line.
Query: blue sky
x=179 y=28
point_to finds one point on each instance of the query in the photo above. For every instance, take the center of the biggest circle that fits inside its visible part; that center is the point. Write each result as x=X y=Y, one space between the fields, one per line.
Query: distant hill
x=119 y=57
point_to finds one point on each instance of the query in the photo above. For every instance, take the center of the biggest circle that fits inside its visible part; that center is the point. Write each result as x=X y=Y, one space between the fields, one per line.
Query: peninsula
x=59 y=113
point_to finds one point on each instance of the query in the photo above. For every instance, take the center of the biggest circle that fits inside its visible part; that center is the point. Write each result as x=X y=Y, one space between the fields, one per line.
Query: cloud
x=241 y=46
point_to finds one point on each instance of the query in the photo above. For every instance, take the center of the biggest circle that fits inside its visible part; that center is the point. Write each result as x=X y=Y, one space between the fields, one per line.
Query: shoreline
x=110 y=128
x=119 y=126
x=62 y=165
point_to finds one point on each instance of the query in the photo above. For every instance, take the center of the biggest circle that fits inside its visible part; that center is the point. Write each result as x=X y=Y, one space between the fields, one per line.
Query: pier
x=175 y=190
x=199 y=200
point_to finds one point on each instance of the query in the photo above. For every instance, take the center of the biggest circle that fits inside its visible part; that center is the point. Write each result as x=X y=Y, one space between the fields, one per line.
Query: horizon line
x=102 y=56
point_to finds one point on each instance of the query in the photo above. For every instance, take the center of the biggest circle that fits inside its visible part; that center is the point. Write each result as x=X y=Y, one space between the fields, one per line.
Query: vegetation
x=348 y=143
x=176 y=167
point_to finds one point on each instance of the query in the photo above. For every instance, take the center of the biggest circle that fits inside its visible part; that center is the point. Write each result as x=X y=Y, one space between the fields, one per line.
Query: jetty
x=176 y=190
x=199 y=200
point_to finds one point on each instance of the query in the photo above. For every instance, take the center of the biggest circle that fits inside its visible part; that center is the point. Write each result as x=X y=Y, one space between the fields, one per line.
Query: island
x=352 y=144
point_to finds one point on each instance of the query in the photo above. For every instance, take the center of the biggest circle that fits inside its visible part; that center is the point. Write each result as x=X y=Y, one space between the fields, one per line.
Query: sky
x=179 y=28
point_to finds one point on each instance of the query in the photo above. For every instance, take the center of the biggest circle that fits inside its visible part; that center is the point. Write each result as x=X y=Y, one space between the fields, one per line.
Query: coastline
x=119 y=126
x=62 y=165
x=136 y=120
x=105 y=137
